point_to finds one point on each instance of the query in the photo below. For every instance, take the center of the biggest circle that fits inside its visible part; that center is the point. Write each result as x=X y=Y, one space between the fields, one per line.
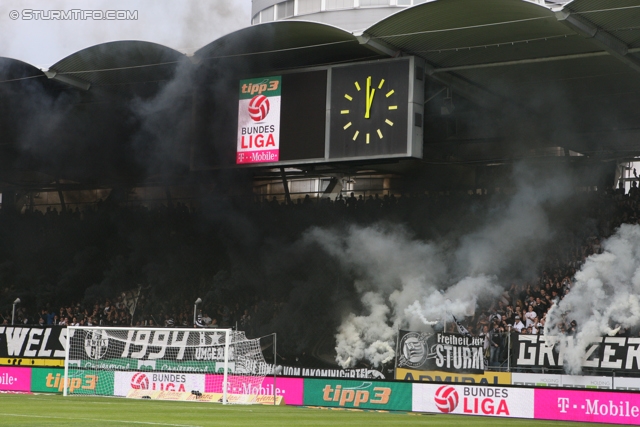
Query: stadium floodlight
x=220 y=365
x=195 y=310
x=13 y=315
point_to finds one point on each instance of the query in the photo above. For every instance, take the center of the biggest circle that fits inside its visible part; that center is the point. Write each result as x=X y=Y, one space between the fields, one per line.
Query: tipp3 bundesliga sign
x=259 y=120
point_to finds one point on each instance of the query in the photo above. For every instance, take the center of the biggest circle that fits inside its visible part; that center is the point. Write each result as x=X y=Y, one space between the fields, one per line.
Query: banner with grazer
x=440 y=352
x=621 y=354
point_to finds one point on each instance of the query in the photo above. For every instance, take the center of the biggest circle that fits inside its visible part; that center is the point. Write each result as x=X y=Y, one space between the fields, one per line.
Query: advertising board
x=291 y=389
x=495 y=378
x=473 y=400
x=15 y=379
x=358 y=394
x=259 y=120
x=163 y=381
x=587 y=406
x=51 y=380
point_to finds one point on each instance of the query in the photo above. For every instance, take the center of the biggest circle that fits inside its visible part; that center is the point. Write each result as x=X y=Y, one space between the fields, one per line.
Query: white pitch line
x=100 y=419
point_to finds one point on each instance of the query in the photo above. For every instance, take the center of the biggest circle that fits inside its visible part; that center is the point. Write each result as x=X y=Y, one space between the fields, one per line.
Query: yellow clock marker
x=393 y=107
x=357 y=86
x=356 y=135
x=347 y=126
x=346 y=95
x=391 y=92
x=389 y=122
x=380 y=133
x=381 y=83
x=344 y=111
x=367 y=138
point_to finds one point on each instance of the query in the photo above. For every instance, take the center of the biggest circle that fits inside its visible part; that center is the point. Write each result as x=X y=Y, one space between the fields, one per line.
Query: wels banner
x=441 y=351
x=28 y=342
x=15 y=379
x=589 y=406
x=473 y=400
x=163 y=381
x=617 y=353
x=290 y=389
x=259 y=120
x=488 y=378
x=358 y=394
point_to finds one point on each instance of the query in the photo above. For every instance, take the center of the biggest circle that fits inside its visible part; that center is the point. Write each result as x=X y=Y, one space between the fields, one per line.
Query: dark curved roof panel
x=283 y=45
x=120 y=62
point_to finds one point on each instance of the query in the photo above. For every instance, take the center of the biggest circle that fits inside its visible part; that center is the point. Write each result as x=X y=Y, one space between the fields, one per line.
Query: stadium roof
x=576 y=66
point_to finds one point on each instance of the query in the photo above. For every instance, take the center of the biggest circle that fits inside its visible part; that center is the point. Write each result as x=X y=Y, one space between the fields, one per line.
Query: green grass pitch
x=55 y=410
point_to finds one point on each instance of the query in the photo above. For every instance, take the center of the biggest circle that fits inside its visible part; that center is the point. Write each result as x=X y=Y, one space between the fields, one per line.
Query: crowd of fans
x=131 y=265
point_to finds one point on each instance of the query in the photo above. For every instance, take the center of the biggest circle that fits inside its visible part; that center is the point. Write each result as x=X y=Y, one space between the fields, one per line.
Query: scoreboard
x=357 y=111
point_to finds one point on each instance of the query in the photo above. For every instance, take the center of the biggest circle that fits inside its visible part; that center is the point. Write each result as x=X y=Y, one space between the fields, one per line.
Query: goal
x=159 y=363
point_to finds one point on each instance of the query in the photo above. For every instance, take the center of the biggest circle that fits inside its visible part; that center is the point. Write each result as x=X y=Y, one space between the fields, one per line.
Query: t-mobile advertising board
x=291 y=389
x=259 y=120
x=589 y=406
x=15 y=379
x=473 y=400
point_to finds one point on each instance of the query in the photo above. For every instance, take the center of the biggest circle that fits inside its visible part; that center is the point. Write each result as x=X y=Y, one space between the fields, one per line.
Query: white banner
x=166 y=381
x=624 y=383
x=473 y=400
x=536 y=380
x=578 y=381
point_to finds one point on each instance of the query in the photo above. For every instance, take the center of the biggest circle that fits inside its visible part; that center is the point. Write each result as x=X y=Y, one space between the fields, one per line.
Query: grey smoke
x=604 y=297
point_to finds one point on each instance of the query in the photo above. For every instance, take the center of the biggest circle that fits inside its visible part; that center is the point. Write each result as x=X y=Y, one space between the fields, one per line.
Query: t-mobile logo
x=563 y=404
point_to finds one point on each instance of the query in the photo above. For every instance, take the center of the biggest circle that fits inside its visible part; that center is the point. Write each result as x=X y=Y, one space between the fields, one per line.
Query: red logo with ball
x=446 y=399
x=140 y=382
x=259 y=107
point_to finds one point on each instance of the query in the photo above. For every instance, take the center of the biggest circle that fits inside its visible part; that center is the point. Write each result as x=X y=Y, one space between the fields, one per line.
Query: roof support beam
x=71 y=81
x=599 y=37
x=377 y=46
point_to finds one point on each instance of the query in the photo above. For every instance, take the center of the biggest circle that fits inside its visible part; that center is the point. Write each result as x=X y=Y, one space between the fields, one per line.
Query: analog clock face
x=384 y=100
x=369 y=109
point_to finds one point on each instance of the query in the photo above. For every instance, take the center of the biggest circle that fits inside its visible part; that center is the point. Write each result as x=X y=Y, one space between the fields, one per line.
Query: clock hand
x=370 y=94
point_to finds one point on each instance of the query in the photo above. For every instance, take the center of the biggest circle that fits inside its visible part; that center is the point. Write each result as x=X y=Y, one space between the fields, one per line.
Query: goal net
x=174 y=364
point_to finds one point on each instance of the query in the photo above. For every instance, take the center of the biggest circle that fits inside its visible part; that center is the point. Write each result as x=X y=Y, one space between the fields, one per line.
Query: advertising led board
x=473 y=400
x=259 y=120
x=386 y=396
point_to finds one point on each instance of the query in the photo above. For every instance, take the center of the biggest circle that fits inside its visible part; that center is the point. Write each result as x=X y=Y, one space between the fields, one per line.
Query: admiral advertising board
x=358 y=394
x=259 y=120
x=539 y=351
x=440 y=351
x=473 y=400
x=488 y=378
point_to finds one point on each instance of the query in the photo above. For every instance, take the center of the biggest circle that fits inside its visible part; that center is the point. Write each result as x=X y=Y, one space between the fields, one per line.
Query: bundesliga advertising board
x=259 y=120
x=473 y=400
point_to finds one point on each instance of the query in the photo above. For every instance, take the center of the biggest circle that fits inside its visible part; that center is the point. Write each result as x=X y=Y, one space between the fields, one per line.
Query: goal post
x=161 y=363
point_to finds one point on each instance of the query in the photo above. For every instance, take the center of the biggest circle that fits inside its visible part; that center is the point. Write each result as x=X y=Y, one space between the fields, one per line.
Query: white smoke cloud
x=604 y=297
x=408 y=283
